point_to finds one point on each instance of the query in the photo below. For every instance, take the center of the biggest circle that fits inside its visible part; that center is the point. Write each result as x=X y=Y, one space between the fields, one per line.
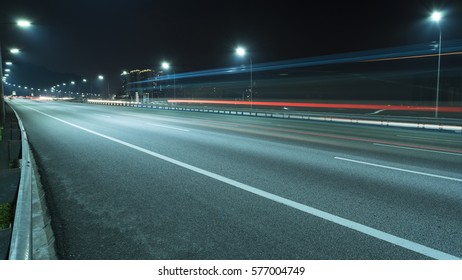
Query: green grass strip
x=6 y=215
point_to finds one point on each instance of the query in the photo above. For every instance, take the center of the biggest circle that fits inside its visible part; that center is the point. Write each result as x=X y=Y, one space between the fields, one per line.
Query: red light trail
x=447 y=109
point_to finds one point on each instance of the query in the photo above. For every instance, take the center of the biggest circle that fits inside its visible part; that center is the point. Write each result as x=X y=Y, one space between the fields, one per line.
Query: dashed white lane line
x=398 y=241
x=400 y=169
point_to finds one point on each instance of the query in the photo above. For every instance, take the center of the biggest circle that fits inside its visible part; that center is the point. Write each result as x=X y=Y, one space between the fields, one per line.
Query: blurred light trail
x=413 y=51
x=413 y=56
x=446 y=109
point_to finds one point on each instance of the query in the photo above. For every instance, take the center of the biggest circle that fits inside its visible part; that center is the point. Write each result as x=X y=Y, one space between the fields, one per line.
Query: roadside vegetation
x=6 y=215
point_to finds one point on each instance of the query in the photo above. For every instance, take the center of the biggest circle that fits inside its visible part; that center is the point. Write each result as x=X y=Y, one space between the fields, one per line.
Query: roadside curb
x=43 y=239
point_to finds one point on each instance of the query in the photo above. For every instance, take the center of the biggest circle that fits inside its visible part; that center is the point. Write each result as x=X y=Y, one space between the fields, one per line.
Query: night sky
x=89 y=37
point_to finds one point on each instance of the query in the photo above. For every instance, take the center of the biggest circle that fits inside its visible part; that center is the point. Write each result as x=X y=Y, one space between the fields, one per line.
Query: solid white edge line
x=400 y=169
x=417 y=149
x=404 y=243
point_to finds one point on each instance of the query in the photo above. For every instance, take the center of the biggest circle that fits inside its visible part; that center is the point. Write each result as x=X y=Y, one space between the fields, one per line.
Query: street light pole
x=251 y=83
x=436 y=17
x=108 y=93
x=101 y=77
x=166 y=66
x=438 y=76
x=240 y=51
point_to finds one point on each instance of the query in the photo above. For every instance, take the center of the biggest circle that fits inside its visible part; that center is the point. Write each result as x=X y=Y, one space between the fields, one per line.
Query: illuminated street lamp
x=101 y=77
x=436 y=16
x=83 y=87
x=4 y=77
x=70 y=88
x=64 y=90
x=240 y=51
x=21 y=23
x=166 y=66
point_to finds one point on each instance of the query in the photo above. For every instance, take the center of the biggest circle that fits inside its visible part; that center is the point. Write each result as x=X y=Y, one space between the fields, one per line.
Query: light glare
x=436 y=16
x=165 y=65
x=23 y=23
x=14 y=51
x=240 y=51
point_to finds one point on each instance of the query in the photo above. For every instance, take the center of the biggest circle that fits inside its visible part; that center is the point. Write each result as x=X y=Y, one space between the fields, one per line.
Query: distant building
x=133 y=77
x=147 y=88
x=133 y=85
x=124 y=93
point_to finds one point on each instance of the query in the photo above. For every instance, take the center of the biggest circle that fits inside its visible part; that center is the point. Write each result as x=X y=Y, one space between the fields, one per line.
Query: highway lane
x=125 y=183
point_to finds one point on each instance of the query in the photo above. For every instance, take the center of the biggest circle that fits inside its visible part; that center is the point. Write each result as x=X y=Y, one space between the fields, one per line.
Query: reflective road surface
x=127 y=183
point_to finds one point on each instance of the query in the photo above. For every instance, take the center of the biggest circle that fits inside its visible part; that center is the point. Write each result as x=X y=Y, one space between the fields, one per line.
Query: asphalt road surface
x=128 y=183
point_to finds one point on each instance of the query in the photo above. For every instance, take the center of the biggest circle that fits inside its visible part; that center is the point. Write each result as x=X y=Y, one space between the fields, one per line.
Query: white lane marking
x=428 y=138
x=166 y=126
x=417 y=149
x=400 y=169
x=404 y=243
x=378 y=111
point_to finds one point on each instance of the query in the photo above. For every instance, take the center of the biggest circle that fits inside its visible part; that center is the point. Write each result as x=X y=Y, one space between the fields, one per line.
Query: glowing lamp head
x=23 y=23
x=436 y=16
x=165 y=65
x=240 y=51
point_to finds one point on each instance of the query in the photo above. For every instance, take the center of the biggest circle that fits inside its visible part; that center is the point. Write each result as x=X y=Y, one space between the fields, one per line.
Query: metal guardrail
x=403 y=122
x=21 y=236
